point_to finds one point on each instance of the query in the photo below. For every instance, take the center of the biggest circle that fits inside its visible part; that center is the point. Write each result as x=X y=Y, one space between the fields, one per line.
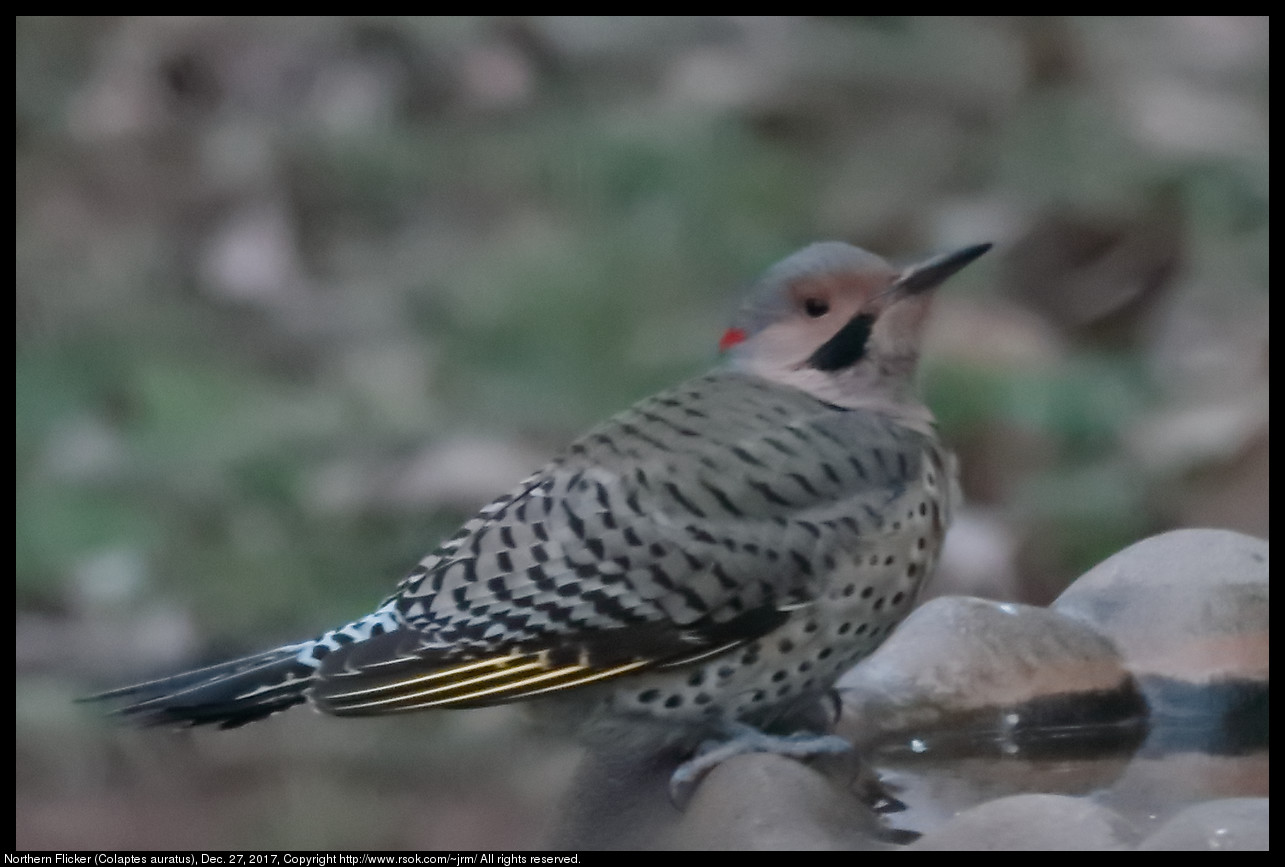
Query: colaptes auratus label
x=717 y=553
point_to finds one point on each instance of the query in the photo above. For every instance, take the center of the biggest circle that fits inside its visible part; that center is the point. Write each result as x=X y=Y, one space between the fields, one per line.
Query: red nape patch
x=730 y=338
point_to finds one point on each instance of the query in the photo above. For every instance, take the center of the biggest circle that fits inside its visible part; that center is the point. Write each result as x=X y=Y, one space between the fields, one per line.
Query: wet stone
x=1033 y=823
x=1188 y=611
x=1233 y=824
x=1189 y=605
x=768 y=802
x=957 y=660
x=1153 y=788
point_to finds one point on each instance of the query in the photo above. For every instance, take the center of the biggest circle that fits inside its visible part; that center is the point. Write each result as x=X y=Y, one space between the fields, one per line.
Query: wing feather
x=681 y=528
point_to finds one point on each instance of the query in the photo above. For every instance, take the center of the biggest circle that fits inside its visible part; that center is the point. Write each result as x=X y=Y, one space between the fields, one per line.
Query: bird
x=708 y=560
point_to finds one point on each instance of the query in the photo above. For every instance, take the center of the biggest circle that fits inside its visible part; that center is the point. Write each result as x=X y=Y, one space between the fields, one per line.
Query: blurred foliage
x=268 y=270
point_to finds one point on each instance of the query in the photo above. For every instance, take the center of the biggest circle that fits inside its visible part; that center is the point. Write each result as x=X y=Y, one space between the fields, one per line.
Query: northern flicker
x=713 y=556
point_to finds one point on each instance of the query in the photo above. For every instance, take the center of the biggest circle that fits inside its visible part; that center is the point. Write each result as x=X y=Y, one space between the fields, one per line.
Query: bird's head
x=841 y=324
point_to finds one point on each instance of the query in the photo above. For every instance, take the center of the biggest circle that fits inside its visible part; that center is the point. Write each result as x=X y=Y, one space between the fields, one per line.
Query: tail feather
x=228 y=694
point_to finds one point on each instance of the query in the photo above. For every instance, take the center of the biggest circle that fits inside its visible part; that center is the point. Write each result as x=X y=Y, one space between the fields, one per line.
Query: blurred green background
x=296 y=296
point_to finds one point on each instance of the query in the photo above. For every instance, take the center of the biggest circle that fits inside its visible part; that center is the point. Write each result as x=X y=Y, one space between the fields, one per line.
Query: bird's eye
x=815 y=307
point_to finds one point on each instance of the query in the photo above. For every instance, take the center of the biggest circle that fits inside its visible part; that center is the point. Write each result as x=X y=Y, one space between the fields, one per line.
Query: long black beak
x=926 y=275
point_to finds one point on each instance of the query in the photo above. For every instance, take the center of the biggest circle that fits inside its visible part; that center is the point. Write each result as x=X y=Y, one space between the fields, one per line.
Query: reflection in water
x=1197 y=744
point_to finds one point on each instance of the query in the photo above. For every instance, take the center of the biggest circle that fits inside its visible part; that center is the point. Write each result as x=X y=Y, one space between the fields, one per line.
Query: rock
x=958 y=660
x=1031 y=822
x=1236 y=824
x=769 y=802
x=1190 y=605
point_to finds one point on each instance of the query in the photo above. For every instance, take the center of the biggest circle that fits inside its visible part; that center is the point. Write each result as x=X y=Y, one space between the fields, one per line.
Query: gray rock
x=1163 y=783
x=1031 y=822
x=1236 y=824
x=1191 y=605
x=957 y=656
x=769 y=802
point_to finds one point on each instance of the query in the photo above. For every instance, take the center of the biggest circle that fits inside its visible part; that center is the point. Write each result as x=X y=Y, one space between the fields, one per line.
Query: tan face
x=842 y=324
x=821 y=305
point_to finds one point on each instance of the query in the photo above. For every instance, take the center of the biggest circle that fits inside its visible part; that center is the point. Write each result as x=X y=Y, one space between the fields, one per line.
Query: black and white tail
x=240 y=691
x=229 y=694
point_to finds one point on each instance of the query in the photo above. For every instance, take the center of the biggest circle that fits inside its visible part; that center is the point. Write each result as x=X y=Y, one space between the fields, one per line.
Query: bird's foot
x=742 y=738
